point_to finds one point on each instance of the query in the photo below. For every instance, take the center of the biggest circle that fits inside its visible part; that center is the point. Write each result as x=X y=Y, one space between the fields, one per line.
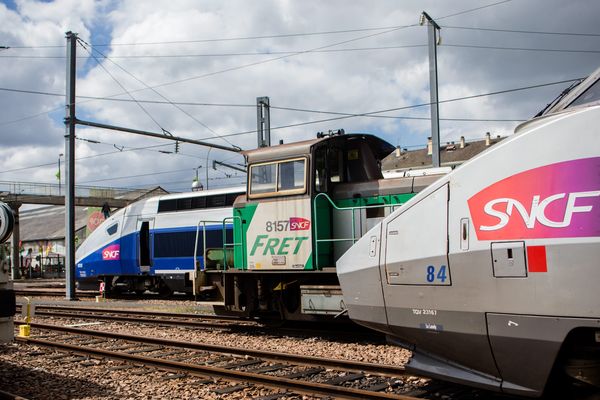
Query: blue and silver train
x=151 y=244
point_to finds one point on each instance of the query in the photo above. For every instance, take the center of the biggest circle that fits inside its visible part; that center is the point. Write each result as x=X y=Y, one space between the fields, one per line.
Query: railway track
x=53 y=293
x=284 y=374
x=144 y=317
x=207 y=321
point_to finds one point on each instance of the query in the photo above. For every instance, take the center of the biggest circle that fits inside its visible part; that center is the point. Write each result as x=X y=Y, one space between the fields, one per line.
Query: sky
x=194 y=69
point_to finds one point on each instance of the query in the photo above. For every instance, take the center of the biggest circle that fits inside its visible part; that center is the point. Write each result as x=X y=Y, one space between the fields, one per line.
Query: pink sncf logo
x=111 y=253
x=299 y=224
x=554 y=201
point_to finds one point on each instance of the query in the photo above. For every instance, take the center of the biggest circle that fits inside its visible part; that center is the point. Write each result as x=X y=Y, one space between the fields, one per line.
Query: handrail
x=336 y=207
x=234 y=243
x=203 y=223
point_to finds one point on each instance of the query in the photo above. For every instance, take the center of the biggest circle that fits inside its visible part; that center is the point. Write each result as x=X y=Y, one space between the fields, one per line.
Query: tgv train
x=150 y=244
x=491 y=274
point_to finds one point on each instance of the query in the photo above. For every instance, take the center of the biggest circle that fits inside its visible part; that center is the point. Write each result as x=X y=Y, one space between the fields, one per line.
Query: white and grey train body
x=491 y=274
x=150 y=244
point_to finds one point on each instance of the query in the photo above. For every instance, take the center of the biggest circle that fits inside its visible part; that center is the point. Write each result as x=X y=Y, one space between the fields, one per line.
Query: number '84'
x=440 y=276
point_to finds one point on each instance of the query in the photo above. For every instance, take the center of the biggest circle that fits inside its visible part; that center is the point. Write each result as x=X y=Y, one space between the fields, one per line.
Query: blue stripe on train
x=93 y=265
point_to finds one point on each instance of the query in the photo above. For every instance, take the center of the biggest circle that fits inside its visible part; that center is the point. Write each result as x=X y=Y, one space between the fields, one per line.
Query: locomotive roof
x=380 y=147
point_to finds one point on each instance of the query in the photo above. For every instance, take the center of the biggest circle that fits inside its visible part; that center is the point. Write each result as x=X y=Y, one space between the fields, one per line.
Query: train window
x=111 y=230
x=336 y=165
x=280 y=178
x=184 y=204
x=181 y=244
x=198 y=202
x=591 y=95
x=291 y=175
x=215 y=201
x=167 y=205
x=263 y=178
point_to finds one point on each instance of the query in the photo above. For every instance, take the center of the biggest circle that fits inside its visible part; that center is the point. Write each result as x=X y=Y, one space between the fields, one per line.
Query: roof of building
x=48 y=223
x=450 y=154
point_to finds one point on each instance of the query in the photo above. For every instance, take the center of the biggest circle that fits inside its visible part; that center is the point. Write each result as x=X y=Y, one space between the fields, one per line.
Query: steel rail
x=51 y=293
x=356 y=366
x=240 y=376
x=136 y=312
x=138 y=319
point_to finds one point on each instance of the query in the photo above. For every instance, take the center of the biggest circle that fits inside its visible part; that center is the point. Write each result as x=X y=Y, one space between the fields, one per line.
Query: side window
x=263 y=178
x=279 y=178
x=291 y=175
x=111 y=230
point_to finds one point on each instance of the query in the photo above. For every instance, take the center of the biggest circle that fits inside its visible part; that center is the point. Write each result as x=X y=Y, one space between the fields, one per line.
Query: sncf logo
x=299 y=224
x=112 y=252
x=557 y=200
x=537 y=210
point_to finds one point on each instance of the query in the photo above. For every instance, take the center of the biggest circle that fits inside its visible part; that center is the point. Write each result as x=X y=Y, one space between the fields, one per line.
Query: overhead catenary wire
x=259 y=53
x=365 y=114
x=319 y=48
x=346 y=116
x=84 y=45
x=474 y=28
x=225 y=39
x=164 y=98
x=259 y=37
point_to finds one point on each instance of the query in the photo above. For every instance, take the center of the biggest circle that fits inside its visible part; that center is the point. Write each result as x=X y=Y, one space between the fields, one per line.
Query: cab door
x=145 y=227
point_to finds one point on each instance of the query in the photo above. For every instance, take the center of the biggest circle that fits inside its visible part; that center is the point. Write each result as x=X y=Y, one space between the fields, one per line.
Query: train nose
x=360 y=279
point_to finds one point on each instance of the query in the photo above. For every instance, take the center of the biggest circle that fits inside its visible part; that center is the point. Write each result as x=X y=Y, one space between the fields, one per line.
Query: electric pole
x=432 y=31
x=70 y=122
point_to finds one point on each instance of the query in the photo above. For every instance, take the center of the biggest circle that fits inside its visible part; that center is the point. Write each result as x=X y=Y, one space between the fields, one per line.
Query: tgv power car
x=151 y=244
x=491 y=274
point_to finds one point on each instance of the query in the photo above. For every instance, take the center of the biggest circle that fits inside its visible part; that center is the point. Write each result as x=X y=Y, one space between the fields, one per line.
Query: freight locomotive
x=490 y=275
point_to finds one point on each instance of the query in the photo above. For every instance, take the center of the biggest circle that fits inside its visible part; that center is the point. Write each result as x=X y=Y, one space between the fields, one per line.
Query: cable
x=520 y=31
x=257 y=37
x=471 y=46
x=474 y=9
x=253 y=105
x=258 y=53
x=83 y=44
x=166 y=99
x=406 y=107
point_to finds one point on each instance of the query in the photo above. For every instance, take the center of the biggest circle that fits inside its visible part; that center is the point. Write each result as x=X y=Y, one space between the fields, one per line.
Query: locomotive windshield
x=591 y=95
x=280 y=178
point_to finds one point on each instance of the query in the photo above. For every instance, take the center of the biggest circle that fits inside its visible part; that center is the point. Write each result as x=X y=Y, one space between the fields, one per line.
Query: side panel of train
x=144 y=247
x=495 y=281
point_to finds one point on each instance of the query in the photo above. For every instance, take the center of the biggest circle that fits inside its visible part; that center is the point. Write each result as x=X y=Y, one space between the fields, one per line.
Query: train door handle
x=373 y=246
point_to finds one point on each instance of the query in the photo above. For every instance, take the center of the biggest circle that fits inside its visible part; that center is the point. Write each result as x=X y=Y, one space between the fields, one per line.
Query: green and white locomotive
x=306 y=203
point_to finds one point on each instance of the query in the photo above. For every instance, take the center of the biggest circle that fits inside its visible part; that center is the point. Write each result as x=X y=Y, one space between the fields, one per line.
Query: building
x=452 y=154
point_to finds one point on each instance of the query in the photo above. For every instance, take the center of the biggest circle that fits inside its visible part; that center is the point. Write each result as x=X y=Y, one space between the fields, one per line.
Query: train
x=490 y=274
x=7 y=293
x=487 y=272
x=271 y=246
x=151 y=244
